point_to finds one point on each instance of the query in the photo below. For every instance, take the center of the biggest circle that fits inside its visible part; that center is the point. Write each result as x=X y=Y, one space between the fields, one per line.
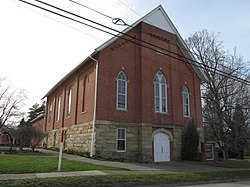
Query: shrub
x=190 y=142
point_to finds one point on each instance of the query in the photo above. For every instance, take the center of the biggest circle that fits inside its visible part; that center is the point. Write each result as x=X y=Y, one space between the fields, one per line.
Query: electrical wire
x=130 y=8
x=221 y=72
x=185 y=49
x=107 y=32
x=197 y=64
x=116 y=21
x=59 y=22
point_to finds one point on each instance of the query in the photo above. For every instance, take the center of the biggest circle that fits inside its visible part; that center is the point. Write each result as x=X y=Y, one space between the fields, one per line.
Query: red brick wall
x=75 y=82
x=120 y=56
x=87 y=114
x=39 y=123
x=140 y=65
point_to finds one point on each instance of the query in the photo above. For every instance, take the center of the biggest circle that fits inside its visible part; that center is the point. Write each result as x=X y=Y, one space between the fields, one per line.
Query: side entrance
x=161 y=147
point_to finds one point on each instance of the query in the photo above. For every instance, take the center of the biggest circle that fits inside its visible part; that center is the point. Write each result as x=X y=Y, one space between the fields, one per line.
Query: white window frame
x=160 y=80
x=121 y=139
x=121 y=94
x=209 y=147
x=186 y=106
x=50 y=112
x=69 y=101
x=58 y=108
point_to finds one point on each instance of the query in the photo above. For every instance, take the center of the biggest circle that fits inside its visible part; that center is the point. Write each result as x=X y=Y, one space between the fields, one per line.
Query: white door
x=161 y=147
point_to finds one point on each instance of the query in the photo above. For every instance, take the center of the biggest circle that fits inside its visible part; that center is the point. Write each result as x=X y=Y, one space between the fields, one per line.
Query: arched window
x=160 y=88
x=121 y=98
x=58 y=108
x=69 y=102
x=186 y=101
x=84 y=94
x=50 y=112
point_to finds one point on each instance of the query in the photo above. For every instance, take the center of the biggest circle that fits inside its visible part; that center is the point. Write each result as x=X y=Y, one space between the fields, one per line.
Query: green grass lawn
x=40 y=164
x=7 y=148
x=232 y=163
x=130 y=180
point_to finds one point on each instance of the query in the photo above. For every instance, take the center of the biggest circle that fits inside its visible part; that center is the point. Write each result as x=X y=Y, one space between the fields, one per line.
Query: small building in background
x=5 y=138
x=39 y=122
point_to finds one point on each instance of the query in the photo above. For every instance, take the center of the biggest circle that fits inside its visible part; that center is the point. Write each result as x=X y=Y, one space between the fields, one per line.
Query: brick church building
x=132 y=98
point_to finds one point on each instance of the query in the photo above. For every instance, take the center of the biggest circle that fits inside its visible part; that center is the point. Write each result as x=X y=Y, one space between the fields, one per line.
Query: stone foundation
x=139 y=140
x=76 y=137
x=177 y=135
x=106 y=134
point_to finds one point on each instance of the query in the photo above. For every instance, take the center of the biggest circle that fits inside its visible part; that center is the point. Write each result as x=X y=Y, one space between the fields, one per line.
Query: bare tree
x=225 y=89
x=11 y=101
x=29 y=135
x=24 y=132
x=37 y=136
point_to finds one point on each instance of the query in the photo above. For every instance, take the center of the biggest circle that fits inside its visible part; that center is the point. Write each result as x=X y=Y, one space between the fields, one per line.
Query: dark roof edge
x=38 y=117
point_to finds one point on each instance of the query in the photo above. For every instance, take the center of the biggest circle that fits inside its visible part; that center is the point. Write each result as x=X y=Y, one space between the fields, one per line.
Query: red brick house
x=39 y=122
x=129 y=99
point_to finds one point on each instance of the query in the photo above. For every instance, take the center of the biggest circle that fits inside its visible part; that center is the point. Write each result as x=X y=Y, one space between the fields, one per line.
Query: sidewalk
x=133 y=168
x=50 y=175
x=164 y=167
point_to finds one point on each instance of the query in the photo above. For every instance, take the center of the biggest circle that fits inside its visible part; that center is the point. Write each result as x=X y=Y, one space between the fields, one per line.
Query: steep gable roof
x=158 y=18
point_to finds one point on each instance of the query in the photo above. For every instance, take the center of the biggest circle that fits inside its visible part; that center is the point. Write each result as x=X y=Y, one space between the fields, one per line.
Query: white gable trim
x=159 y=18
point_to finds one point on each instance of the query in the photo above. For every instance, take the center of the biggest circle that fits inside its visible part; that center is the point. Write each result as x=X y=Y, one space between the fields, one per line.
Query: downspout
x=94 y=114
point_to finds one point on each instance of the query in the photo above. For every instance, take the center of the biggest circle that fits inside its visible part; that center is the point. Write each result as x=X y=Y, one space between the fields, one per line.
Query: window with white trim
x=58 y=108
x=121 y=98
x=186 y=101
x=50 y=112
x=69 y=101
x=160 y=91
x=121 y=140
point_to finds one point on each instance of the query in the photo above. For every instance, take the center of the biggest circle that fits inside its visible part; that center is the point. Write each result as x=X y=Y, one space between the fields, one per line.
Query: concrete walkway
x=132 y=168
x=173 y=166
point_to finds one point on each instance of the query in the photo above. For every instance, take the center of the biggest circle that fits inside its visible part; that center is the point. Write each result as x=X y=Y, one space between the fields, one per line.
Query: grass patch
x=41 y=164
x=130 y=180
x=7 y=149
x=232 y=163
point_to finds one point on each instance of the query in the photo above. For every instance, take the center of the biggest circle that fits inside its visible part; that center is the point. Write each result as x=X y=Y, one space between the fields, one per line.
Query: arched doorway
x=161 y=147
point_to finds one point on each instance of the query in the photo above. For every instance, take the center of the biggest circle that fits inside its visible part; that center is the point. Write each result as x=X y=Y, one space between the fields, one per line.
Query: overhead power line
x=130 y=8
x=197 y=64
x=116 y=21
x=60 y=22
x=185 y=49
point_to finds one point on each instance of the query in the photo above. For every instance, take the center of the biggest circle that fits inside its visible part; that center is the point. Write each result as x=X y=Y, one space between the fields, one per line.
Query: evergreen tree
x=238 y=132
x=190 y=143
x=35 y=111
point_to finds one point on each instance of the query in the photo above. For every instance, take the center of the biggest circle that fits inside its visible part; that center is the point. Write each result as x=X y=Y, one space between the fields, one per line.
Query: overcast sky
x=37 y=48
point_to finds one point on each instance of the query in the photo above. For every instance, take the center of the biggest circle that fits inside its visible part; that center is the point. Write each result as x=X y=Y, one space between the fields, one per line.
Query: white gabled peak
x=159 y=18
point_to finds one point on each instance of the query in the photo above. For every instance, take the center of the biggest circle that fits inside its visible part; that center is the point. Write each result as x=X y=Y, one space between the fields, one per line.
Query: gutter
x=95 y=103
